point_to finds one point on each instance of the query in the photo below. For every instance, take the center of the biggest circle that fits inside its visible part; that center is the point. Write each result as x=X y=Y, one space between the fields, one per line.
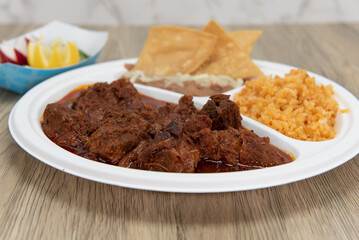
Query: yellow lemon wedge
x=36 y=55
x=56 y=60
x=54 y=55
x=73 y=55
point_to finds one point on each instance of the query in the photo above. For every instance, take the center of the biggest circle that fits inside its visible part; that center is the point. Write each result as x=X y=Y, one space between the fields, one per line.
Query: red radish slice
x=21 y=45
x=7 y=53
x=14 y=52
x=5 y=59
x=21 y=59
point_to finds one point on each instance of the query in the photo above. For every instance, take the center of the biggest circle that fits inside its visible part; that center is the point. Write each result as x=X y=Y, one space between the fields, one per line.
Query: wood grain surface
x=40 y=202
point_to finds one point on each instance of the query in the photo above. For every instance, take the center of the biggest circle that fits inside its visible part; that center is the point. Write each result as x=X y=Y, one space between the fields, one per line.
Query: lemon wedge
x=54 y=55
x=36 y=55
x=56 y=60
x=72 y=56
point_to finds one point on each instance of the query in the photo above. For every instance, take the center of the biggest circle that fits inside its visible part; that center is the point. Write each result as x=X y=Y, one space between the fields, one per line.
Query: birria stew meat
x=114 y=124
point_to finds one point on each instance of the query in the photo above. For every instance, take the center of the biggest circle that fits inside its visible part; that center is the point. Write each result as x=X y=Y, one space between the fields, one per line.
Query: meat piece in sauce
x=222 y=112
x=61 y=124
x=197 y=124
x=170 y=151
x=221 y=145
x=179 y=113
x=257 y=151
x=102 y=99
x=118 y=135
x=169 y=155
x=111 y=123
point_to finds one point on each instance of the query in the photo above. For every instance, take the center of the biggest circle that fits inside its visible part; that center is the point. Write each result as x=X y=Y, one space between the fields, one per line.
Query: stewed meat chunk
x=114 y=124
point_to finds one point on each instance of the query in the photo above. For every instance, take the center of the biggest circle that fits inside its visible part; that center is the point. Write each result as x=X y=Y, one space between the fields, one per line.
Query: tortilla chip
x=227 y=57
x=169 y=50
x=225 y=43
x=246 y=39
x=236 y=65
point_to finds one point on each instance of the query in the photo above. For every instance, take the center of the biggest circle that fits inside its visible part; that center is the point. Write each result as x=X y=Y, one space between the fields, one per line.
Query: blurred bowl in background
x=21 y=78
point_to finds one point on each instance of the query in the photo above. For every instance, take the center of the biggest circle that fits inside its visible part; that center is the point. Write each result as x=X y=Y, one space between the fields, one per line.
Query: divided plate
x=312 y=158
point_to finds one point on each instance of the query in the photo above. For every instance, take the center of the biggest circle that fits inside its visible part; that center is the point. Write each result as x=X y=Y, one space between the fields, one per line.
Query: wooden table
x=40 y=202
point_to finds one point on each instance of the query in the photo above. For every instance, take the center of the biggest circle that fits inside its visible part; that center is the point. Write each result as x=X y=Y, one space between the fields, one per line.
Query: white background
x=180 y=12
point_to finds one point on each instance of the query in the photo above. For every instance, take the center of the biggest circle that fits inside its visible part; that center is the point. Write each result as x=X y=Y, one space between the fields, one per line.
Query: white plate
x=312 y=158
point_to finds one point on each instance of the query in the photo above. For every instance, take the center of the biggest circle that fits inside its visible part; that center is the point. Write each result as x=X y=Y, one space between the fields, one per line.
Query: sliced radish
x=14 y=52
x=4 y=58
x=21 y=58
x=21 y=45
x=7 y=53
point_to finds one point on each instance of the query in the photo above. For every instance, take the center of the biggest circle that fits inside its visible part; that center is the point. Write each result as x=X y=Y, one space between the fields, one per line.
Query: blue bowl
x=21 y=78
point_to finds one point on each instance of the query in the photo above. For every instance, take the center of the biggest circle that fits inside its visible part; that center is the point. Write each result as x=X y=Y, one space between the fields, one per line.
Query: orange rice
x=294 y=105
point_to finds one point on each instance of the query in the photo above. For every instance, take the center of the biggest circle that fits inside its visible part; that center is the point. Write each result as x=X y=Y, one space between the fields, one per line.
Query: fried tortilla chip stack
x=170 y=50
